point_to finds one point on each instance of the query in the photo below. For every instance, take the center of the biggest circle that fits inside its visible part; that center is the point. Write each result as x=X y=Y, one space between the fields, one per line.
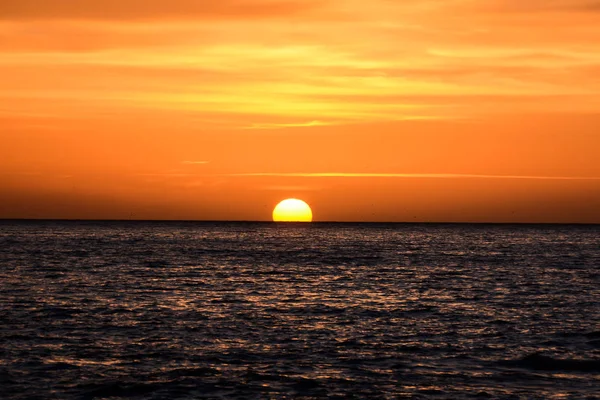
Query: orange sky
x=413 y=110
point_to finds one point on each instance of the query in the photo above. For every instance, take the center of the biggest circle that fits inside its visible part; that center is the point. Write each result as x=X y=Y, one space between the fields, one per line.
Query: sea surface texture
x=135 y=310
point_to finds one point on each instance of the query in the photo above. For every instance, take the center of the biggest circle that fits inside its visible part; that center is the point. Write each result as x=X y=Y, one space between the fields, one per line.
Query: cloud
x=283 y=188
x=456 y=60
x=148 y=9
x=291 y=125
x=541 y=5
x=195 y=162
x=398 y=175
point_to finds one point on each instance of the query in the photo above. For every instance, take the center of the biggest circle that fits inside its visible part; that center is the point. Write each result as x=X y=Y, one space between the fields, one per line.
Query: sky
x=408 y=111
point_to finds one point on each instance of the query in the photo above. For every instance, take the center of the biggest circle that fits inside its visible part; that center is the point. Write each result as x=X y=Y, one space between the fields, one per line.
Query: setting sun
x=292 y=210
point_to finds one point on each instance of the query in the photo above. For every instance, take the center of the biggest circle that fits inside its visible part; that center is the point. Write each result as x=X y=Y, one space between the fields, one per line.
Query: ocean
x=224 y=310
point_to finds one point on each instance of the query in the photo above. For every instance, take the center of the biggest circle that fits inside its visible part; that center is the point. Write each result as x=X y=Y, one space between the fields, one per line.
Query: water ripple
x=211 y=310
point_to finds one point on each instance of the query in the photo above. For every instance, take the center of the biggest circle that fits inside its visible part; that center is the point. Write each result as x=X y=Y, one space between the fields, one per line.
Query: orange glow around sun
x=292 y=210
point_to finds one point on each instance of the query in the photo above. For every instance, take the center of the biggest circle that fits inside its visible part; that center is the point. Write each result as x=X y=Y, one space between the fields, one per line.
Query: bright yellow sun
x=292 y=210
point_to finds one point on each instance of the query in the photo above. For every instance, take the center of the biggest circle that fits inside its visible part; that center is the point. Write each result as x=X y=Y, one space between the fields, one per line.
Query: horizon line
x=294 y=223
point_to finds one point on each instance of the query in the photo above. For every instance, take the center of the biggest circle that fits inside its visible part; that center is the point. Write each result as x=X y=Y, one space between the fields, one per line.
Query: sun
x=292 y=210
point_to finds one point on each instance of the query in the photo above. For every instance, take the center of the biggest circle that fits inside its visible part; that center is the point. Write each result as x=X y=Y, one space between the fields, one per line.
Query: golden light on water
x=292 y=210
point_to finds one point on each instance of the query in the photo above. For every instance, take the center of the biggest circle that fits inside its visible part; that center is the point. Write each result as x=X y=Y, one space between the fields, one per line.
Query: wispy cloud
x=342 y=63
x=195 y=162
x=541 y=5
x=166 y=175
x=404 y=175
x=290 y=188
x=291 y=125
x=149 y=9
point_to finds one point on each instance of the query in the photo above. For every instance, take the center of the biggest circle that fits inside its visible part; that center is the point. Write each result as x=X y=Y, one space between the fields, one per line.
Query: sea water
x=174 y=310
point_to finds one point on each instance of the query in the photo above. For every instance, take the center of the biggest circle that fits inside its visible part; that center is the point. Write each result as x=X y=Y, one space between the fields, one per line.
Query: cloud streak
x=291 y=125
x=405 y=175
x=195 y=162
x=457 y=59
x=539 y=5
x=148 y=9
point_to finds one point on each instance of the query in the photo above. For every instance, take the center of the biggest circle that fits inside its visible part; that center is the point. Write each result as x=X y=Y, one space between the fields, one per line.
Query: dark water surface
x=249 y=310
